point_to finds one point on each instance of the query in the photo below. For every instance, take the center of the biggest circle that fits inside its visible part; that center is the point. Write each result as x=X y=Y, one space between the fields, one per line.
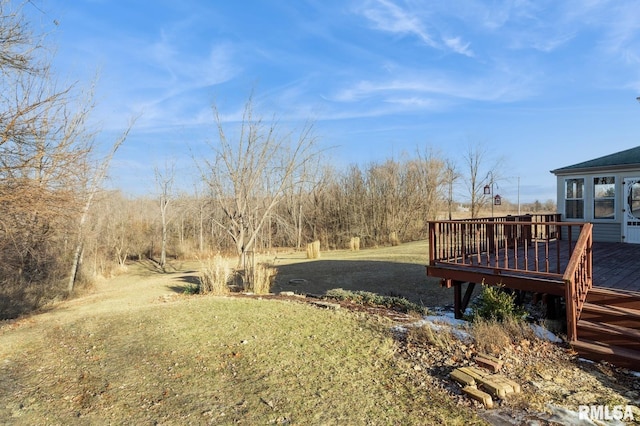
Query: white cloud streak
x=385 y=15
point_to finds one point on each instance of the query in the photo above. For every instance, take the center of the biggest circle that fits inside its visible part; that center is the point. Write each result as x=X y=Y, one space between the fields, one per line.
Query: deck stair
x=609 y=328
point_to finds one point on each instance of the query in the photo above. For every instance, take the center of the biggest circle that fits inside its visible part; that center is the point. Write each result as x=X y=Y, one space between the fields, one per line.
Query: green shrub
x=372 y=299
x=191 y=289
x=496 y=304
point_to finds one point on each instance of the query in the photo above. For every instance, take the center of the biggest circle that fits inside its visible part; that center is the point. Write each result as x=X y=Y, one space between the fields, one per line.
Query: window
x=574 y=199
x=604 y=193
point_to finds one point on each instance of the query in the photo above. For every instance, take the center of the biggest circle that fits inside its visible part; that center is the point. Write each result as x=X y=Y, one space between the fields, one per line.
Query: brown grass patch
x=492 y=336
x=425 y=334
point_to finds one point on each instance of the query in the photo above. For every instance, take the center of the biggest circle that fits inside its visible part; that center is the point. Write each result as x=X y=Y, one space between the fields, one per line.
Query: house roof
x=622 y=159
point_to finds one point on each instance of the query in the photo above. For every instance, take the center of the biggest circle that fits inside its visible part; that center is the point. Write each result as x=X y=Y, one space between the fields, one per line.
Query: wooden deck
x=599 y=282
x=617 y=266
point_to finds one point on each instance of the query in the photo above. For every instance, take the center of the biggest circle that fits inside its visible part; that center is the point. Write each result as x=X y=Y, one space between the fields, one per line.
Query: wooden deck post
x=491 y=236
x=432 y=243
x=572 y=315
x=457 y=299
x=460 y=303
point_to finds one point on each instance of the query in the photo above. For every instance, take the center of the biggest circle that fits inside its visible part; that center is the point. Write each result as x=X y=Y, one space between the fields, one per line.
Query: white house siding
x=607 y=232
x=603 y=230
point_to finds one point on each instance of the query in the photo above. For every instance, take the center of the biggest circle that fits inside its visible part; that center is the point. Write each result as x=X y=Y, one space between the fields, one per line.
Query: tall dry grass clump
x=441 y=339
x=493 y=336
x=262 y=279
x=215 y=276
x=354 y=244
x=313 y=250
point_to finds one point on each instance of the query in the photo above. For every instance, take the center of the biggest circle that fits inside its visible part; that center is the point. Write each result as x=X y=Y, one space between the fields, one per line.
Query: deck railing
x=524 y=244
x=578 y=278
x=540 y=247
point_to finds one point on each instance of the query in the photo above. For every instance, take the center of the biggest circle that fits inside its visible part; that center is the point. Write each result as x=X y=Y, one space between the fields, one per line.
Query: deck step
x=615 y=315
x=617 y=298
x=595 y=351
x=609 y=334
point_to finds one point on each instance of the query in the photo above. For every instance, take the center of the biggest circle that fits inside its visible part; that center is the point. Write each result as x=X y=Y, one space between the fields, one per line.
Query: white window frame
x=611 y=198
x=567 y=199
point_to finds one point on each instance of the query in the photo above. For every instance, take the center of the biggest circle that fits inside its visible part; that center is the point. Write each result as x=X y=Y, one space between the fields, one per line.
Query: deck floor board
x=616 y=266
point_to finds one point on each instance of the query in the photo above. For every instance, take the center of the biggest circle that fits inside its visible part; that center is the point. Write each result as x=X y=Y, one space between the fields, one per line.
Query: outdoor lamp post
x=496 y=200
x=488 y=190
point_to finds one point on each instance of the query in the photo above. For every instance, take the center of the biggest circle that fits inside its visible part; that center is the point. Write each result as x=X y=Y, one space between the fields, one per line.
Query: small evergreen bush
x=496 y=304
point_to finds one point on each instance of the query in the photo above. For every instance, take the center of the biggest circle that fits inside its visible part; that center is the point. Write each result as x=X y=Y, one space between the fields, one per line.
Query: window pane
x=574 y=209
x=570 y=189
x=604 y=187
x=574 y=188
x=604 y=192
x=604 y=209
x=579 y=188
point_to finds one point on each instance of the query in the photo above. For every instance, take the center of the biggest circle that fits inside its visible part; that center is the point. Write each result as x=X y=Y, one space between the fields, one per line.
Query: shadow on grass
x=188 y=279
x=406 y=280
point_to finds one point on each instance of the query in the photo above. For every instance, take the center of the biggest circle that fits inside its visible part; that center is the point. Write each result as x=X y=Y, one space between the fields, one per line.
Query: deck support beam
x=460 y=303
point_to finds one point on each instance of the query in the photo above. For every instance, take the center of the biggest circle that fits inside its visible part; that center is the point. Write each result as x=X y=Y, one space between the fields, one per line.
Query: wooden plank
x=616 y=315
x=514 y=282
x=610 y=334
x=618 y=298
x=479 y=395
x=620 y=356
x=462 y=378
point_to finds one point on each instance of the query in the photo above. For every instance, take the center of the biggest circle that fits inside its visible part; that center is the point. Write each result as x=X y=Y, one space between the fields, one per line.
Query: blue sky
x=544 y=84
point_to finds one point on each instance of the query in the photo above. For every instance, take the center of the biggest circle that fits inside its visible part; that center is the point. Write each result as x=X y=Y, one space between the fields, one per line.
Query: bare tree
x=251 y=173
x=43 y=152
x=164 y=181
x=481 y=171
x=451 y=175
x=47 y=178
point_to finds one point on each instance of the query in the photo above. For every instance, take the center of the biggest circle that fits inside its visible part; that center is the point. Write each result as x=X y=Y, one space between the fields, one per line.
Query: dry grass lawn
x=136 y=351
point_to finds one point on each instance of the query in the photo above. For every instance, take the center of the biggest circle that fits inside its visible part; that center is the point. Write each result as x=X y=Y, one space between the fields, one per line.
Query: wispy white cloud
x=385 y=15
x=457 y=45
x=498 y=88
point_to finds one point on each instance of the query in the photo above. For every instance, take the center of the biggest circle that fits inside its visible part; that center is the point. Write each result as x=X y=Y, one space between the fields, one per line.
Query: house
x=604 y=191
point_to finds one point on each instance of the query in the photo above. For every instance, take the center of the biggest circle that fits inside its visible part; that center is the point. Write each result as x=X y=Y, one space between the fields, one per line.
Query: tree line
x=381 y=203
